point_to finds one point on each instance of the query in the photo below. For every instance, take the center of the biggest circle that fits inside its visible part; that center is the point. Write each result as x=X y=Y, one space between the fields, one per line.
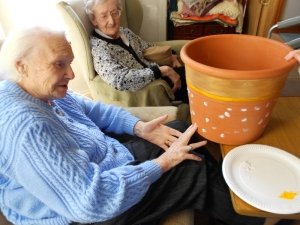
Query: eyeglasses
x=114 y=14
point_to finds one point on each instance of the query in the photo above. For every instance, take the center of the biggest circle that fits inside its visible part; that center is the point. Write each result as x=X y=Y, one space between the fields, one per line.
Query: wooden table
x=282 y=131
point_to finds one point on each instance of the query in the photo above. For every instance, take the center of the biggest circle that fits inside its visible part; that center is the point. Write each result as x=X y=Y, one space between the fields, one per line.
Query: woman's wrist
x=164 y=165
x=138 y=127
x=165 y=71
x=157 y=72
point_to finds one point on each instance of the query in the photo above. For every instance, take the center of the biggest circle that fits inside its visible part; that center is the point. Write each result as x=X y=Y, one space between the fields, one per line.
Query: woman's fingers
x=190 y=131
x=172 y=138
x=175 y=78
x=293 y=54
x=160 y=119
x=179 y=150
x=197 y=145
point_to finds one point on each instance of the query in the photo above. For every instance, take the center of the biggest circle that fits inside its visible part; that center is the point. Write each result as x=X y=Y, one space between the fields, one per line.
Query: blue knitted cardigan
x=58 y=166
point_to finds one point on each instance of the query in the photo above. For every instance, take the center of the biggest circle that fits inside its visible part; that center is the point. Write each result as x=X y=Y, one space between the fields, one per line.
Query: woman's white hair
x=90 y=4
x=20 y=45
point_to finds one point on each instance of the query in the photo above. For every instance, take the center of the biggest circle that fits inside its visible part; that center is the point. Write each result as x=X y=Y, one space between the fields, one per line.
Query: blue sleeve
x=50 y=166
x=108 y=118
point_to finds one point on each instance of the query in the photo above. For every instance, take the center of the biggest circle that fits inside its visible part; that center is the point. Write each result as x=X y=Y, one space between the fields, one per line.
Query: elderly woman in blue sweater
x=59 y=164
x=118 y=53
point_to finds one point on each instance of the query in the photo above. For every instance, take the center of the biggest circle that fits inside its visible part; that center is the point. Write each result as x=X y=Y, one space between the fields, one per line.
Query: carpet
x=289 y=36
x=291 y=88
x=292 y=84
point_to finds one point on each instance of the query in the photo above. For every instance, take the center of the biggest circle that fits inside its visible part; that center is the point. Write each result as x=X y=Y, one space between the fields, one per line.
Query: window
x=2 y=35
x=31 y=12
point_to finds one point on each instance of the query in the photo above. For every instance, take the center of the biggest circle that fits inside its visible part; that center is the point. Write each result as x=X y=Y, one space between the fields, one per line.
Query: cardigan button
x=60 y=112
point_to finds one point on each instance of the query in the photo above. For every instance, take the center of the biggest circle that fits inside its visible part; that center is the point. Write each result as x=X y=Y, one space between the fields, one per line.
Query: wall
x=152 y=26
x=29 y=12
x=5 y=19
x=35 y=12
x=290 y=9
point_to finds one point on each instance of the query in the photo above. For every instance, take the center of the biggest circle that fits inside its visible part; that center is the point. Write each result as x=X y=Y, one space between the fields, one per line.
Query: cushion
x=162 y=55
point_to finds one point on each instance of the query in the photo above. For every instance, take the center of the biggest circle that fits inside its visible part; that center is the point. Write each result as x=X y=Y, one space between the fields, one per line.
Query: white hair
x=90 y=4
x=20 y=45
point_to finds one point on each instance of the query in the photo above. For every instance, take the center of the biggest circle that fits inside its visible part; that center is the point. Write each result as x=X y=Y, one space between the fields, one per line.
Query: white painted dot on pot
x=257 y=108
x=207 y=120
x=244 y=120
x=267 y=114
x=260 y=122
x=243 y=109
x=229 y=109
x=227 y=114
x=203 y=130
x=222 y=135
x=192 y=95
x=193 y=112
x=245 y=129
x=214 y=128
x=268 y=104
x=236 y=132
x=222 y=116
x=205 y=103
x=191 y=102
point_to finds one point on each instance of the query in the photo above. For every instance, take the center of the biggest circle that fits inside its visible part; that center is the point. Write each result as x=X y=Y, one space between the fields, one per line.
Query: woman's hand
x=293 y=54
x=167 y=71
x=179 y=151
x=175 y=62
x=157 y=133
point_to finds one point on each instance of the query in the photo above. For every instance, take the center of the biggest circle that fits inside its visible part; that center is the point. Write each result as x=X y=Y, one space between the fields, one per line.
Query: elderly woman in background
x=60 y=165
x=118 y=53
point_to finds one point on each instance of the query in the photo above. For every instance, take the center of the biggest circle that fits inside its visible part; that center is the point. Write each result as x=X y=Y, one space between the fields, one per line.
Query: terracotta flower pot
x=234 y=81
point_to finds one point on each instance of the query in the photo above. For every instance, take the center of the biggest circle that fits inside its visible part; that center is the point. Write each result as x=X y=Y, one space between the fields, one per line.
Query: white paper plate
x=259 y=174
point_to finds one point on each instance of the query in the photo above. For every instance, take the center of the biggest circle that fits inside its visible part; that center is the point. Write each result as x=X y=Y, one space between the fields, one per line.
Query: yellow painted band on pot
x=233 y=89
x=228 y=99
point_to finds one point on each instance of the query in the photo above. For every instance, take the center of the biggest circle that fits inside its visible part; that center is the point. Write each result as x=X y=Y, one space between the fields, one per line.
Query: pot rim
x=224 y=73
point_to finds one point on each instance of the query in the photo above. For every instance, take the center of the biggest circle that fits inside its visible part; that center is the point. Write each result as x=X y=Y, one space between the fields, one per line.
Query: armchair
x=79 y=28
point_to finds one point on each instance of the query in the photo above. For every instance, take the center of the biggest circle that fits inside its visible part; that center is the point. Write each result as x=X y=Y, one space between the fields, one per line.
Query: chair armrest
x=157 y=93
x=149 y=113
x=176 y=45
